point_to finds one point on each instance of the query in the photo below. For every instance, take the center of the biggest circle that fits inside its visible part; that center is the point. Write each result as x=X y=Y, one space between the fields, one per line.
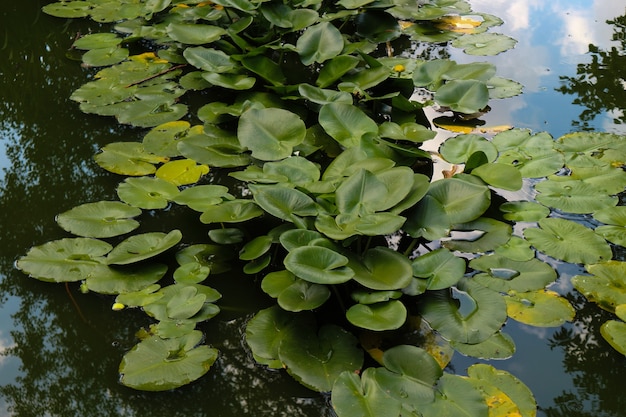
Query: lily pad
x=128 y=158
x=481 y=235
x=120 y=281
x=317 y=359
x=163 y=139
x=101 y=219
x=463 y=96
x=386 y=315
x=606 y=286
x=355 y=396
x=319 y=43
x=533 y=154
x=182 y=172
x=65 y=260
x=233 y=211
x=614 y=332
x=458 y=149
x=484 y=43
x=346 y=123
x=573 y=196
x=381 y=268
x=503 y=275
x=143 y=246
x=202 y=197
x=539 y=308
x=270 y=133
x=147 y=192
x=157 y=364
x=568 y=241
x=498 y=346
x=517 y=249
x=440 y=268
x=523 y=211
x=479 y=314
x=456 y=396
x=319 y=265
x=615 y=219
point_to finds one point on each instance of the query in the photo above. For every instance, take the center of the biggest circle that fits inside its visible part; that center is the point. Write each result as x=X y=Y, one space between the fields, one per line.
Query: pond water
x=56 y=361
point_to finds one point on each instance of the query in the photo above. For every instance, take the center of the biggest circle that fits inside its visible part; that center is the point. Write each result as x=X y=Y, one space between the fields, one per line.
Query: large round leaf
x=539 y=308
x=147 y=192
x=499 y=175
x=503 y=274
x=194 y=34
x=534 y=155
x=139 y=247
x=479 y=314
x=484 y=43
x=362 y=397
x=458 y=149
x=606 y=286
x=270 y=133
x=615 y=230
x=346 y=123
x=234 y=211
x=285 y=203
x=101 y=219
x=202 y=197
x=317 y=359
x=65 y=260
x=128 y=158
x=319 y=43
x=523 y=211
x=614 y=332
x=181 y=172
x=157 y=364
x=573 y=196
x=498 y=346
x=163 y=139
x=479 y=236
x=463 y=96
x=440 y=268
x=386 y=315
x=120 y=281
x=319 y=265
x=568 y=241
x=382 y=268
x=294 y=294
x=456 y=396
x=184 y=303
x=209 y=59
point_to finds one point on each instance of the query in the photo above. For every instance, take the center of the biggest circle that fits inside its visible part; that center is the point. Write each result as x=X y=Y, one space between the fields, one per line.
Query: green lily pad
x=319 y=43
x=458 y=149
x=120 y=281
x=568 y=241
x=523 y=211
x=456 y=396
x=147 y=192
x=386 y=315
x=573 y=196
x=319 y=265
x=615 y=218
x=355 y=396
x=606 y=286
x=157 y=364
x=230 y=81
x=145 y=296
x=519 y=393
x=483 y=234
x=270 y=133
x=218 y=258
x=69 y=9
x=316 y=359
x=381 y=268
x=128 y=158
x=302 y=295
x=614 y=332
x=181 y=172
x=484 y=43
x=534 y=155
x=503 y=88
x=191 y=273
x=295 y=238
x=202 y=197
x=194 y=34
x=463 y=96
x=214 y=147
x=499 y=175
x=517 y=249
x=139 y=247
x=163 y=139
x=65 y=260
x=285 y=203
x=346 y=123
x=102 y=57
x=440 y=268
x=101 y=219
x=498 y=346
x=479 y=314
x=233 y=211
x=184 y=302
x=255 y=248
x=97 y=41
x=227 y=235
x=503 y=275
x=539 y=308
x=209 y=59
x=371 y=297
x=334 y=69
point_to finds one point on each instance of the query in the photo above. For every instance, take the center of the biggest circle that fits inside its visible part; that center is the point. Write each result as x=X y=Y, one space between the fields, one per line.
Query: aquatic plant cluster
x=379 y=271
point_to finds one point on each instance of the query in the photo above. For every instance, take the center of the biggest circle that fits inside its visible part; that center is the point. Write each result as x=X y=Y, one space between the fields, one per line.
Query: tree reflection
x=600 y=84
x=597 y=369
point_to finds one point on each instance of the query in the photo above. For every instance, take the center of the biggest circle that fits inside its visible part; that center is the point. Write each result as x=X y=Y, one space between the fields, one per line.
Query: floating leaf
x=484 y=43
x=69 y=9
x=569 y=241
x=139 y=247
x=191 y=273
x=498 y=346
x=194 y=34
x=64 y=260
x=128 y=158
x=184 y=303
x=517 y=249
x=463 y=96
x=227 y=235
x=440 y=268
x=377 y=26
x=120 y=281
x=524 y=211
x=163 y=139
x=606 y=286
x=355 y=396
x=478 y=236
x=458 y=149
x=381 y=268
x=182 y=171
x=201 y=197
x=285 y=203
x=346 y=123
x=514 y=389
x=456 y=396
x=533 y=155
x=319 y=265
x=157 y=364
x=499 y=175
x=316 y=360
x=104 y=56
x=234 y=211
x=209 y=59
x=386 y=315
x=319 y=43
x=303 y=295
x=503 y=88
x=101 y=219
x=573 y=196
x=614 y=332
x=479 y=314
x=503 y=275
x=334 y=68
x=217 y=258
x=147 y=192
x=615 y=218
x=539 y=308
x=270 y=133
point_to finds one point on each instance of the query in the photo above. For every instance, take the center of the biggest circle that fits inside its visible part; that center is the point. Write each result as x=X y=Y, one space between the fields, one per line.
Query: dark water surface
x=60 y=349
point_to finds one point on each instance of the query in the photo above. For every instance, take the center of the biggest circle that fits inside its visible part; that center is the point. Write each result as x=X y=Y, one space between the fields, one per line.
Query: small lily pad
x=484 y=43
x=614 y=332
x=202 y=197
x=147 y=192
x=440 y=268
x=386 y=315
x=143 y=246
x=182 y=171
x=128 y=158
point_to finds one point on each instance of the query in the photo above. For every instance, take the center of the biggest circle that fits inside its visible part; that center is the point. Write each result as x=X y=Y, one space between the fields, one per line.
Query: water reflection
x=54 y=363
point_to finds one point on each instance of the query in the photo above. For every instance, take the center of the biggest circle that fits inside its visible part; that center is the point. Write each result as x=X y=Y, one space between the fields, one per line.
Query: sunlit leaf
x=456 y=397
x=523 y=211
x=181 y=171
x=614 y=332
x=606 y=286
x=270 y=133
x=484 y=43
x=147 y=192
x=440 y=268
x=194 y=34
x=503 y=275
x=233 y=211
x=346 y=123
x=126 y=280
x=498 y=346
x=157 y=364
x=101 y=219
x=463 y=96
x=143 y=246
x=385 y=315
x=128 y=158
x=355 y=396
x=319 y=265
x=458 y=149
x=539 y=308
x=573 y=196
x=499 y=175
